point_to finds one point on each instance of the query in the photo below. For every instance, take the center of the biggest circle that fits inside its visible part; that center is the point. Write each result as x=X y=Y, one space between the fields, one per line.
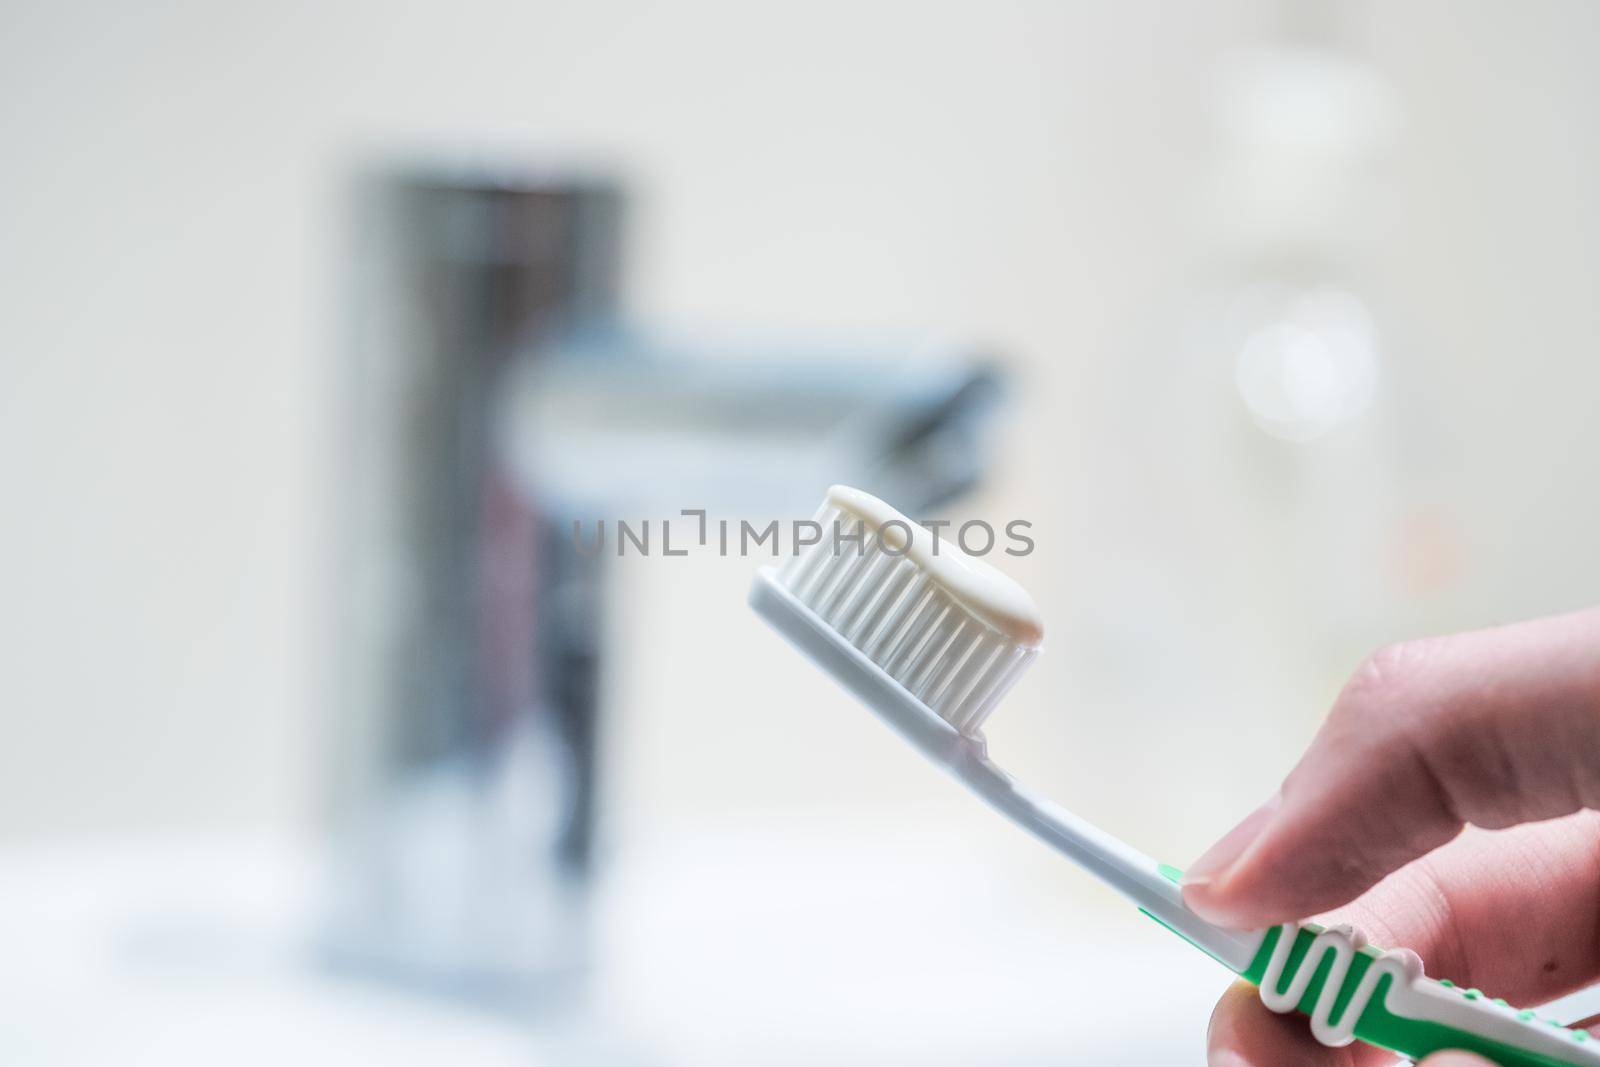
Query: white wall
x=1022 y=174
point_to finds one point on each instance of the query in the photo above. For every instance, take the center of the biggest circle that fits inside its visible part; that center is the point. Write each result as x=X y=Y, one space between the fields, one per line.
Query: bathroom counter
x=726 y=947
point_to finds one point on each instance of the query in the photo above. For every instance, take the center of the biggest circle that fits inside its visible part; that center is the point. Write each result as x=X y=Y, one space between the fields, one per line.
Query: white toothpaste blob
x=983 y=590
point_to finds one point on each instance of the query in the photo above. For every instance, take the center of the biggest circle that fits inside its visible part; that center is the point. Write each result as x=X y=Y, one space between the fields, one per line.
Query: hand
x=1496 y=733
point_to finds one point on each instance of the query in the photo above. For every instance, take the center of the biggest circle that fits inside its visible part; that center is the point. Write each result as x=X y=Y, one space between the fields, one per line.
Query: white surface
x=824 y=945
x=173 y=952
x=870 y=944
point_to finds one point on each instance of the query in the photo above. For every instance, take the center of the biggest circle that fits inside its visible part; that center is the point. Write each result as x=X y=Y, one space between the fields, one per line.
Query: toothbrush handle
x=1350 y=990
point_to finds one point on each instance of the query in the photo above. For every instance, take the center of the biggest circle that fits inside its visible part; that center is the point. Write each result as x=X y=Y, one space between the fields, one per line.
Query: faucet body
x=463 y=779
x=495 y=397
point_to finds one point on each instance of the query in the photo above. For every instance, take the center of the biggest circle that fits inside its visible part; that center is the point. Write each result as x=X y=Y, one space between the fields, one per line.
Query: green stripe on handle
x=1377 y=1025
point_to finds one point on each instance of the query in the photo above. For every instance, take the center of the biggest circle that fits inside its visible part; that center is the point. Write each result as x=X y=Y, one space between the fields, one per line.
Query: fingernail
x=1455 y=1059
x=1216 y=860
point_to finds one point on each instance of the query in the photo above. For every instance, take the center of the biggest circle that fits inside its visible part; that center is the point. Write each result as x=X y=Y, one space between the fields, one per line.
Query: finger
x=1514 y=912
x=1491 y=728
x=1243 y=1033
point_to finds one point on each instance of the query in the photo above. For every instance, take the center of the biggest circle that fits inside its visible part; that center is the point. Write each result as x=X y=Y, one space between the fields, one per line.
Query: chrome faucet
x=496 y=393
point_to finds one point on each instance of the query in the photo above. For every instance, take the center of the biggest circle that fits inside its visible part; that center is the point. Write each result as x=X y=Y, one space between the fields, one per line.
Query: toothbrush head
x=928 y=636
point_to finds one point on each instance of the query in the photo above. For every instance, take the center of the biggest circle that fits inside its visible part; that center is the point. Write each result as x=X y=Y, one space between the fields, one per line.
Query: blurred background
x=321 y=323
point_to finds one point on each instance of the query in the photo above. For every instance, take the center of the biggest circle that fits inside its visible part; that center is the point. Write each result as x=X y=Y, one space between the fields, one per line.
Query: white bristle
x=903 y=620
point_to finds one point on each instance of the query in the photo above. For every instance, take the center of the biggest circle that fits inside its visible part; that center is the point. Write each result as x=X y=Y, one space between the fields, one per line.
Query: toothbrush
x=930 y=639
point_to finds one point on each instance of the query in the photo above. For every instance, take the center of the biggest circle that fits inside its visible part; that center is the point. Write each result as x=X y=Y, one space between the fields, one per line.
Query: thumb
x=1493 y=728
x=1455 y=1059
